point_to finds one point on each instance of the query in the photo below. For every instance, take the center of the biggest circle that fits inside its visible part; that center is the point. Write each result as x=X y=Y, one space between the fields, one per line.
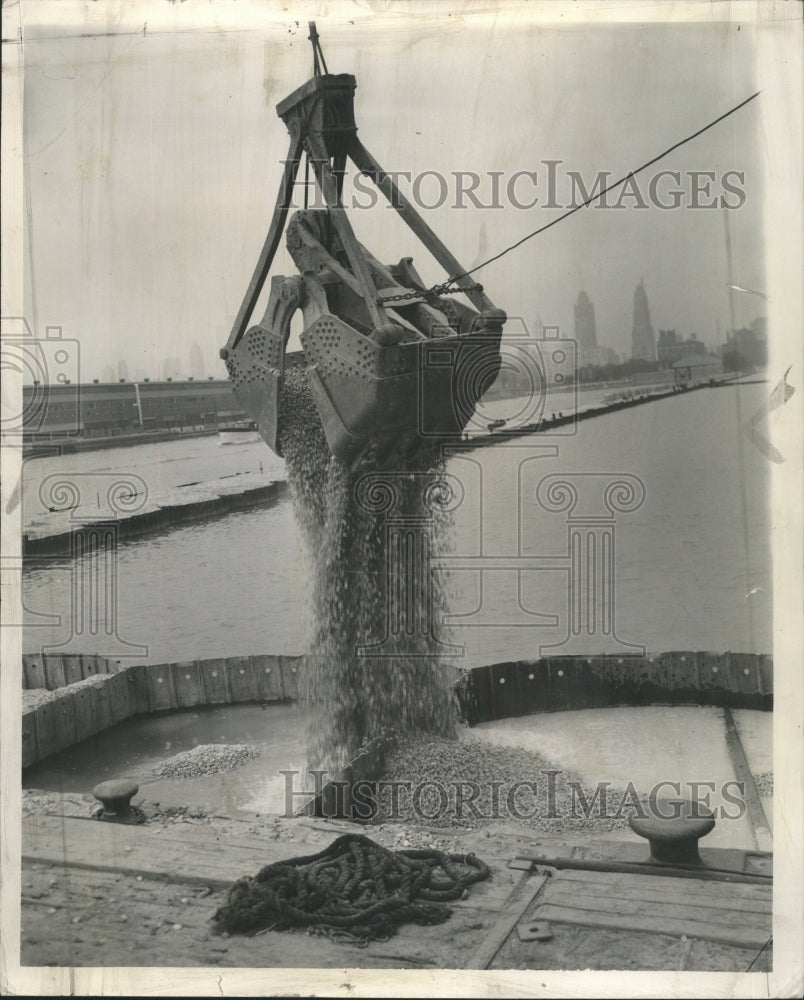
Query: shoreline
x=61 y=544
x=72 y=445
x=600 y=411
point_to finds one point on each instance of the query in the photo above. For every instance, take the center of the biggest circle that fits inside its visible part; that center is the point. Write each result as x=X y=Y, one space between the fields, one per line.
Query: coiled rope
x=353 y=890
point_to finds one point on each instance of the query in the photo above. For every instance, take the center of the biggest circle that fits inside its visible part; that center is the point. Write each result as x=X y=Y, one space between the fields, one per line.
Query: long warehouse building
x=112 y=409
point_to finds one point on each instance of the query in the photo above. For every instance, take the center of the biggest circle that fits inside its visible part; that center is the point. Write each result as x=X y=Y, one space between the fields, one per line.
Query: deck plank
x=671 y=910
x=100 y=872
x=743 y=937
x=694 y=896
x=663 y=884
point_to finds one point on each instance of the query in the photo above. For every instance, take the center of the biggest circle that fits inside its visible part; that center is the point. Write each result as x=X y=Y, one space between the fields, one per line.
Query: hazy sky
x=152 y=161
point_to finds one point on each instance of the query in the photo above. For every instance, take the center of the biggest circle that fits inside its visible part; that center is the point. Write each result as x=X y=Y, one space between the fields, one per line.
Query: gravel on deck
x=208 y=758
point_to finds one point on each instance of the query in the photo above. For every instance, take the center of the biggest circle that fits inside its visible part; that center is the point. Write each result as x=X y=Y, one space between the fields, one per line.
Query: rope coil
x=354 y=890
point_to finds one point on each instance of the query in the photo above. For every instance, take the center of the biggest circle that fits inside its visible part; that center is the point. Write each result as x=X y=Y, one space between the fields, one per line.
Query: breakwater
x=90 y=693
x=548 y=424
x=562 y=683
x=33 y=446
x=63 y=543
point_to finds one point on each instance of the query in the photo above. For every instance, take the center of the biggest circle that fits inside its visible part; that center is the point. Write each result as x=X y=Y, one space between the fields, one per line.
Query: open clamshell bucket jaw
x=387 y=359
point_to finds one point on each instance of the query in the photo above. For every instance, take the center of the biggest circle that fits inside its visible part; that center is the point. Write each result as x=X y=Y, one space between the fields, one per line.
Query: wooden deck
x=99 y=894
x=102 y=894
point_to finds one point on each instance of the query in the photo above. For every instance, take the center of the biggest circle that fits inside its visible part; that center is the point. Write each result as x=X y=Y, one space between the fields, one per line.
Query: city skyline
x=194 y=364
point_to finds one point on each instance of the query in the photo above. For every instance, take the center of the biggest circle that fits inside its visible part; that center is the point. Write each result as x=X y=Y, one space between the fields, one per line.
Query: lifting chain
x=430 y=293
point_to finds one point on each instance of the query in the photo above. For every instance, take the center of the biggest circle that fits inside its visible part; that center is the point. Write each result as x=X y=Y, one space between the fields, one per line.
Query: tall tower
x=643 y=339
x=170 y=368
x=196 y=362
x=585 y=330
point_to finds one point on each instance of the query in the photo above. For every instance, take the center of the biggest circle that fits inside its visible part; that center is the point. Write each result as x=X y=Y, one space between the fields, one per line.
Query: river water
x=692 y=563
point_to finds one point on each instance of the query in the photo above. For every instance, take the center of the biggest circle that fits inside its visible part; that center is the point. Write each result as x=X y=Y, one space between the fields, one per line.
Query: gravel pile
x=470 y=783
x=34 y=697
x=209 y=758
x=764 y=783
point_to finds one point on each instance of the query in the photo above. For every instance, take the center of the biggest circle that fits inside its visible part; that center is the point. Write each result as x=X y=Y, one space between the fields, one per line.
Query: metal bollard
x=116 y=796
x=673 y=830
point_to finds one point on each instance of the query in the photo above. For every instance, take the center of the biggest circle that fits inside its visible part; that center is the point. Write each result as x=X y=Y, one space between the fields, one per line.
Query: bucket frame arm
x=368 y=166
x=271 y=244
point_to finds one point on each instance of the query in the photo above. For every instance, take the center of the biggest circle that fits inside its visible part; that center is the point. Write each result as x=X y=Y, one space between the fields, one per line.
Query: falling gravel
x=209 y=758
x=371 y=585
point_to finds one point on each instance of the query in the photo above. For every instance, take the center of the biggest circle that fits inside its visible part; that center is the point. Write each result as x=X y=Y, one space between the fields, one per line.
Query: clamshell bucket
x=366 y=392
x=387 y=358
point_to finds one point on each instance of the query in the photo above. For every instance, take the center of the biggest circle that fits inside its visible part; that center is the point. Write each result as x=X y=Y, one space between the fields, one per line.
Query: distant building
x=643 y=339
x=590 y=353
x=671 y=347
x=747 y=347
x=171 y=368
x=99 y=409
x=197 y=362
x=585 y=330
